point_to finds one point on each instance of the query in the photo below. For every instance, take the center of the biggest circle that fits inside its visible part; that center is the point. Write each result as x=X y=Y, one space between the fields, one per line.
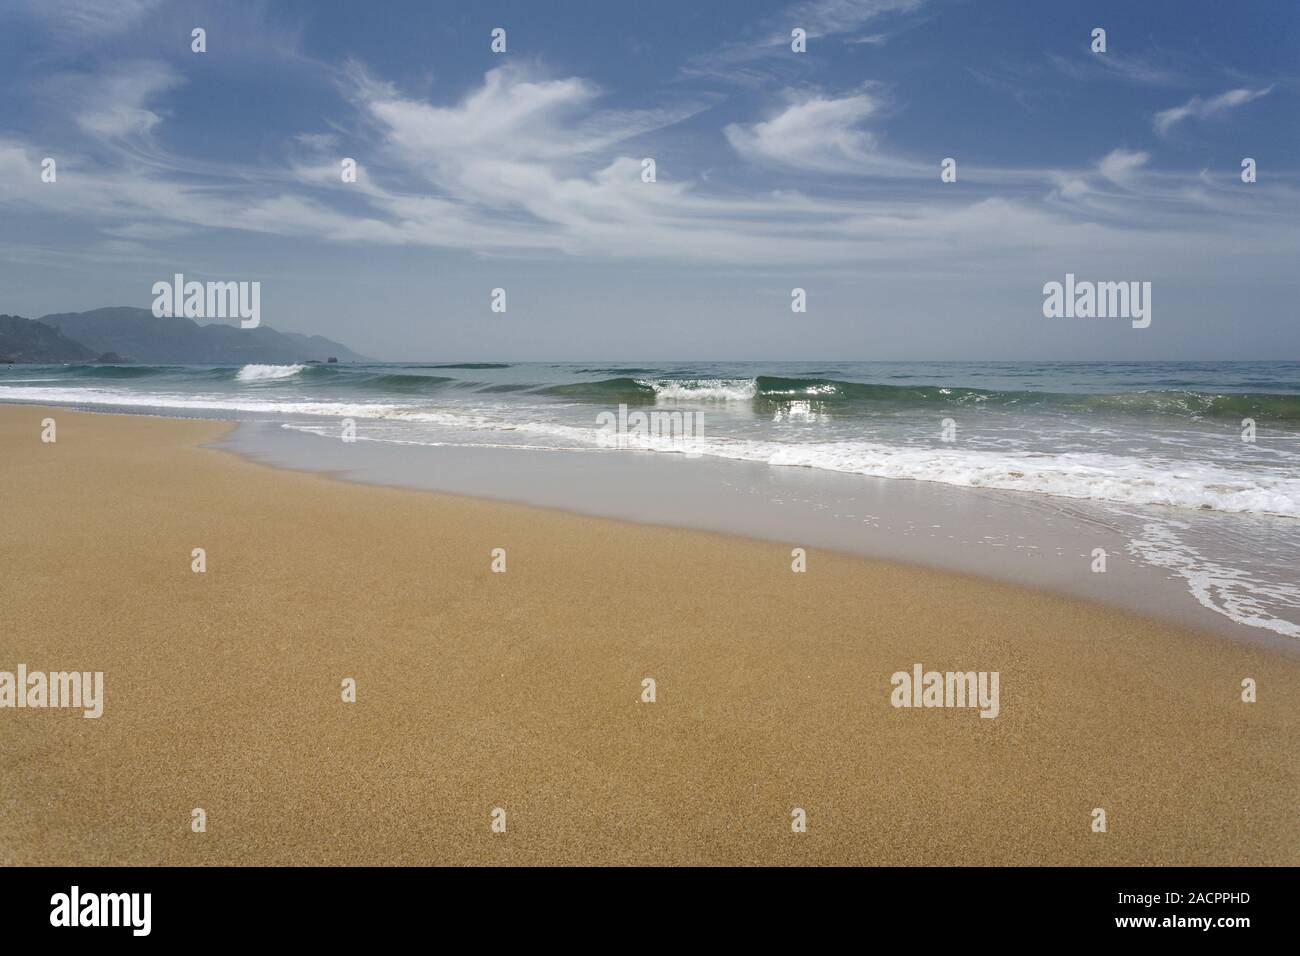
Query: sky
x=774 y=170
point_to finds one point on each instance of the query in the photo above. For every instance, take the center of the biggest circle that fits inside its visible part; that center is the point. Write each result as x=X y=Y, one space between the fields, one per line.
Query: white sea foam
x=1218 y=486
x=1229 y=591
x=703 y=389
x=197 y=402
x=266 y=373
x=1091 y=475
x=1094 y=475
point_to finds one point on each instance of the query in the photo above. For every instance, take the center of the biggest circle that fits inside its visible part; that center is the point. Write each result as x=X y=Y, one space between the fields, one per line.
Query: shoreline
x=1188 y=568
x=1045 y=541
x=1053 y=527
x=521 y=690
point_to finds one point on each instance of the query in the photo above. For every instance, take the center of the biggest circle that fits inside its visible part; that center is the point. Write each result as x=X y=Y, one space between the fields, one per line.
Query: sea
x=1189 y=469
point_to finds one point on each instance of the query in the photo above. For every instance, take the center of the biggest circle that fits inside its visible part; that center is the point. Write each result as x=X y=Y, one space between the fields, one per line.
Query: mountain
x=142 y=337
x=26 y=340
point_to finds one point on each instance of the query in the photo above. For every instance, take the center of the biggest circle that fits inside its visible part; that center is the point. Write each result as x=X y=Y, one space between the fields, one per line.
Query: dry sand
x=521 y=690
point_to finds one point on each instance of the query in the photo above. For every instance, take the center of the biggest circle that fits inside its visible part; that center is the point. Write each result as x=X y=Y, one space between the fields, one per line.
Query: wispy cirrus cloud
x=738 y=61
x=818 y=133
x=1155 y=70
x=111 y=105
x=871 y=39
x=531 y=163
x=80 y=20
x=1199 y=108
x=831 y=17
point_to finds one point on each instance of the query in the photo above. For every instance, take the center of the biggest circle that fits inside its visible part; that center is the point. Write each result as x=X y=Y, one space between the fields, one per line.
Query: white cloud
x=526 y=164
x=814 y=133
x=89 y=19
x=735 y=61
x=1200 y=108
x=113 y=103
x=1087 y=67
x=1119 y=165
x=514 y=115
x=1071 y=187
x=148 y=231
x=830 y=17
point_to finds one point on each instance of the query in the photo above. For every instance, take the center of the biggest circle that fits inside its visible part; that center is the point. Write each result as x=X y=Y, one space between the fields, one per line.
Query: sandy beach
x=522 y=690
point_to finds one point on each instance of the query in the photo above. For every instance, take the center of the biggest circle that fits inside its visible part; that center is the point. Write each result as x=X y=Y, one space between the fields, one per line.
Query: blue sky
x=522 y=170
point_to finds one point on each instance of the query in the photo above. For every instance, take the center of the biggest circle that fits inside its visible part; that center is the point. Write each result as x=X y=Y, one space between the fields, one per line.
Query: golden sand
x=521 y=690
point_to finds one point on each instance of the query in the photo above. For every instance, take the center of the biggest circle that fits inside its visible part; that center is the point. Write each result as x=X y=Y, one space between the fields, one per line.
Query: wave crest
x=267 y=373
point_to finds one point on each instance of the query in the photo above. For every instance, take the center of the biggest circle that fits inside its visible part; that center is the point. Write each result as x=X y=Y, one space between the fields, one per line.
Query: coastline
x=1041 y=542
x=521 y=690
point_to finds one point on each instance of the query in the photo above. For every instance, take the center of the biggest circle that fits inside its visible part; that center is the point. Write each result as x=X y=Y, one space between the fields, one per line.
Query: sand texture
x=521 y=690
